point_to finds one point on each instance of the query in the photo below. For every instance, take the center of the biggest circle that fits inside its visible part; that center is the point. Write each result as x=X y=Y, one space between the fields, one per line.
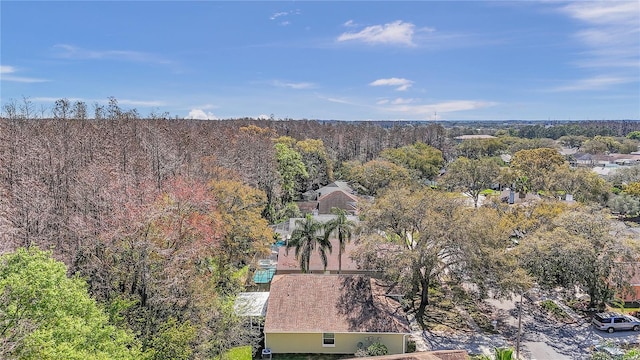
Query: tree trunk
x=424 y=298
x=339 y=259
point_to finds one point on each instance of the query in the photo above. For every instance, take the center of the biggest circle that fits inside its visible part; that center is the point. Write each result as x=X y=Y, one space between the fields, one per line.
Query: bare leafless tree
x=10 y=109
x=80 y=110
x=61 y=109
x=26 y=108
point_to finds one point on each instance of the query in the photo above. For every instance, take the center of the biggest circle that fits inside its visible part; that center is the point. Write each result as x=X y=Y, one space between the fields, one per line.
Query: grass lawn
x=238 y=353
x=489 y=192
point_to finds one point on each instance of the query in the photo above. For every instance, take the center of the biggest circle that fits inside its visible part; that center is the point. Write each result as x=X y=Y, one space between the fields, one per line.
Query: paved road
x=542 y=338
x=542 y=351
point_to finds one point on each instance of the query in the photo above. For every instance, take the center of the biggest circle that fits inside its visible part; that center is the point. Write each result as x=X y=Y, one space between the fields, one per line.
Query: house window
x=328 y=339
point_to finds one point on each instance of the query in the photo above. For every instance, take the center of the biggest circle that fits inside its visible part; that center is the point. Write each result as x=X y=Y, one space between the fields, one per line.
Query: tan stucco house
x=332 y=314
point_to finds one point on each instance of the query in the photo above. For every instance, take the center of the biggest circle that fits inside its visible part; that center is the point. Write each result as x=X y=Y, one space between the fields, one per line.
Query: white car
x=611 y=322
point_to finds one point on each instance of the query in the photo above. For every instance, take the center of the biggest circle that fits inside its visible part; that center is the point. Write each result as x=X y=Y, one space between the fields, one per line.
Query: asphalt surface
x=542 y=338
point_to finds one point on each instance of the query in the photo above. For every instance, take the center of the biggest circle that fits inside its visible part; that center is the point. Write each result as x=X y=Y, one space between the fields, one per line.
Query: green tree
x=625 y=175
x=588 y=256
x=471 y=176
x=343 y=227
x=430 y=237
x=627 y=146
x=424 y=159
x=603 y=144
x=572 y=141
x=306 y=238
x=625 y=205
x=478 y=148
x=583 y=184
x=536 y=165
x=317 y=163
x=173 y=341
x=632 y=188
x=291 y=170
x=46 y=315
x=246 y=232
x=376 y=175
x=518 y=144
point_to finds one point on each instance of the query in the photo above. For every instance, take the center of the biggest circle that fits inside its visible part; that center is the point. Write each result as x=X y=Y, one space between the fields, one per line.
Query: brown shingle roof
x=326 y=197
x=288 y=262
x=304 y=303
x=339 y=199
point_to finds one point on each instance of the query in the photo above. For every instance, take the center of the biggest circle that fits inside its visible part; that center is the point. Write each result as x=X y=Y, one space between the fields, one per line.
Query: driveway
x=542 y=337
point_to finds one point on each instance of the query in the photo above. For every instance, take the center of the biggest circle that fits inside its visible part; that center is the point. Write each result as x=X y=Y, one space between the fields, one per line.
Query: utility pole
x=519 y=327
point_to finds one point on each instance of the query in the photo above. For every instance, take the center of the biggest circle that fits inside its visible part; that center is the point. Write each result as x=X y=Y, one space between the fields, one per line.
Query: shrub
x=551 y=307
x=377 y=349
x=361 y=353
x=411 y=346
x=503 y=353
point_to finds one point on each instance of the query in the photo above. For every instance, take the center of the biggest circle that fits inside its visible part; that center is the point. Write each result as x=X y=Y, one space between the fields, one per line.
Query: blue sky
x=359 y=60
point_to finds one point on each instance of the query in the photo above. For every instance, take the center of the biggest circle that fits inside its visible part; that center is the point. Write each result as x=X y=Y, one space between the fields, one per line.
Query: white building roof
x=251 y=304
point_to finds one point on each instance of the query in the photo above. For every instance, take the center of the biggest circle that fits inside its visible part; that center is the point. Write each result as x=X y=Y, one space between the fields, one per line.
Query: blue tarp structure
x=263 y=276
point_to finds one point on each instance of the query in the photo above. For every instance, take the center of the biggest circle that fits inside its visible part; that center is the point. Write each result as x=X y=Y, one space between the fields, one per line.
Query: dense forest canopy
x=162 y=220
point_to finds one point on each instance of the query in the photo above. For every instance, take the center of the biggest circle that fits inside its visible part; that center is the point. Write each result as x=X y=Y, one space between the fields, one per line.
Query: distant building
x=473 y=137
x=337 y=194
x=338 y=199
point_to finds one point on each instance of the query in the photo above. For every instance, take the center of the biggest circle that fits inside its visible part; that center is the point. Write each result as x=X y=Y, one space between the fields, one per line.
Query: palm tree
x=305 y=238
x=344 y=229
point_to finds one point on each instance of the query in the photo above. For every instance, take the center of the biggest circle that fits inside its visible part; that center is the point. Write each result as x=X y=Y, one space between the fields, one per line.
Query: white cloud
x=278 y=14
x=401 y=101
x=294 y=85
x=608 y=12
x=145 y=103
x=339 y=101
x=22 y=79
x=395 y=33
x=443 y=107
x=285 y=23
x=612 y=32
x=6 y=69
x=54 y=99
x=397 y=101
x=402 y=84
x=199 y=114
x=67 y=51
x=263 y=117
x=349 y=23
x=594 y=83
